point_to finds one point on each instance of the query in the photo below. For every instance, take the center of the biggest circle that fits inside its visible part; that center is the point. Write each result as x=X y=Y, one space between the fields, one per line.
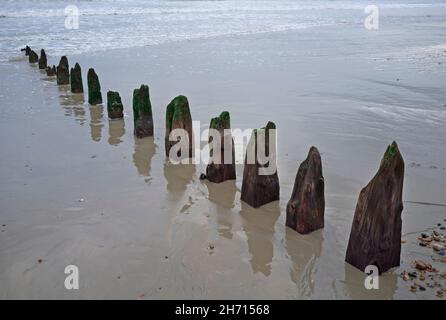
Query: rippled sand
x=77 y=188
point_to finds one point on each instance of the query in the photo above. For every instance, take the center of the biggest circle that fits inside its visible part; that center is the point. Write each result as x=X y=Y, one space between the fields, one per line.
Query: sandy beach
x=78 y=188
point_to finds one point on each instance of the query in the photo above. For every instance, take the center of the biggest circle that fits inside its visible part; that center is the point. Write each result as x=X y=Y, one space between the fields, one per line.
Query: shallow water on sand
x=77 y=188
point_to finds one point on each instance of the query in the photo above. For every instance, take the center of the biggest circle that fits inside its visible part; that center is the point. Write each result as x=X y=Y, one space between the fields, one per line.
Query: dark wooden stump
x=42 y=60
x=94 y=88
x=114 y=105
x=375 y=237
x=27 y=50
x=178 y=116
x=51 y=71
x=221 y=171
x=33 y=57
x=258 y=189
x=63 y=72
x=305 y=209
x=76 y=79
x=142 y=112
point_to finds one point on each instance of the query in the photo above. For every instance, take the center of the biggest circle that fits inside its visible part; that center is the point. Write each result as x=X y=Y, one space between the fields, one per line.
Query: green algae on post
x=391 y=151
x=94 y=88
x=142 y=112
x=114 y=105
x=221 y=122
x=178 y=116
x=76 y=79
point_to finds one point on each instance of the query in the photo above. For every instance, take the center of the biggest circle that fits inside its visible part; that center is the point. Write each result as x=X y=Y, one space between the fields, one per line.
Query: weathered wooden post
x=142 y=112
x=218 y=170
x=305 y=210
x=375 y=237
x=76 y=79
x=94 y=88
x=258 y=187
x=114 y=105
x=178 y=116
x=63 y=71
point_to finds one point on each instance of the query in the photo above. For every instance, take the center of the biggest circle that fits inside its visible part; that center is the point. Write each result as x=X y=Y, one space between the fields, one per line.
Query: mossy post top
x=221 y=122
x=392 y=154
x=177 y=111
x=141 y=102
x=113 y=100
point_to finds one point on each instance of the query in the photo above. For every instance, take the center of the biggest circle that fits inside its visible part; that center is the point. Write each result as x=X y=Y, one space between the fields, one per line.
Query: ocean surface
x=110 y=24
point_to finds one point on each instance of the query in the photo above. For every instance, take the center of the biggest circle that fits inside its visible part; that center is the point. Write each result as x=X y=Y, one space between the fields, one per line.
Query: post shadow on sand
x=259 y=226
x=116 y=129
x=223 y=196
x=73 y=103
x=144 y=150
x=354 y=284
x=96 y=121
x=304 y=252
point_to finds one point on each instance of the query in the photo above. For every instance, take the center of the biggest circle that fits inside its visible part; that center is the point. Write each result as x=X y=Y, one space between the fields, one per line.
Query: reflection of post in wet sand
x=223 y=196
x=304 y=252
x=354 y=283
x=72 y=103
x=178 y=176
x=258 y=225
x=116 y=129
x=96 y=123
x=142 y=156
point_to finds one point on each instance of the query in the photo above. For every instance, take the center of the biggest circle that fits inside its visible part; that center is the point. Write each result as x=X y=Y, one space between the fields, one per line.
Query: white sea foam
x=107 y=24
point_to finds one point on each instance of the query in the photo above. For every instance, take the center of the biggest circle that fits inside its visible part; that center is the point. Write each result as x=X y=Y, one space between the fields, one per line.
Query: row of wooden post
x=375 y=237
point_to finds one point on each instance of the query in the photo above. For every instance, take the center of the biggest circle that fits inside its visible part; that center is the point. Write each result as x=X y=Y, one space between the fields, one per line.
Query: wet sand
x=77 y=188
